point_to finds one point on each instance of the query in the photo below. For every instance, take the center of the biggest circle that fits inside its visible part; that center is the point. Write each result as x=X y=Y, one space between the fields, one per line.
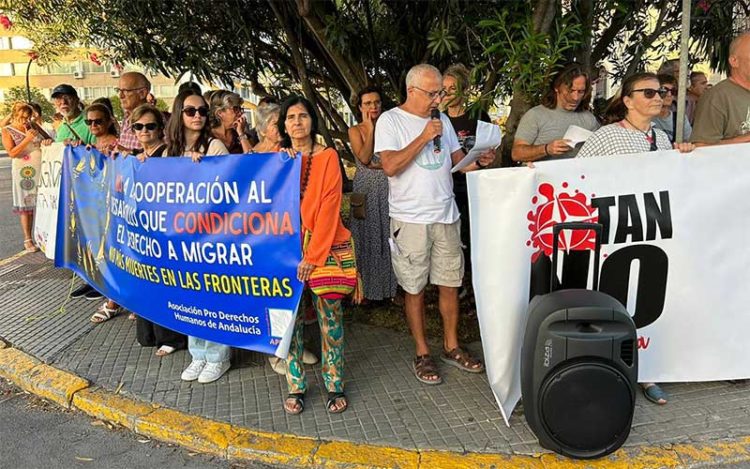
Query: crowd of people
x=408 y=222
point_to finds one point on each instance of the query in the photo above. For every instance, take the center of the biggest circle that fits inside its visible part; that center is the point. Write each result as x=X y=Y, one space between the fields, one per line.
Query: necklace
x=305 y=176
x=648 y=134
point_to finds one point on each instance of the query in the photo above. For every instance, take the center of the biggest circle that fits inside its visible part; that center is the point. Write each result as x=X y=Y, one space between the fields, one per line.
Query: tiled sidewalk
x=387 y=405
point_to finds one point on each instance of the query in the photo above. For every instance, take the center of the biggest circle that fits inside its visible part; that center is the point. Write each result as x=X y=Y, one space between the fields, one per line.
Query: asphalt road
x=36 y=434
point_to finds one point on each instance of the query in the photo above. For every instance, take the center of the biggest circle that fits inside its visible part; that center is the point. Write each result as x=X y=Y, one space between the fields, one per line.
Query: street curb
x=230 y=441
x=43 y=380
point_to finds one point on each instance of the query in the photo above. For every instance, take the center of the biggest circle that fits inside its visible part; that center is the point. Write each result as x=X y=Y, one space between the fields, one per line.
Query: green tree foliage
x=18 y=93
x=329 y=49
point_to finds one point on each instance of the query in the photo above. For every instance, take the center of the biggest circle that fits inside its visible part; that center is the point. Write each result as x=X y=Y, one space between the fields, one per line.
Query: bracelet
x=546 y=153
x=243 y=137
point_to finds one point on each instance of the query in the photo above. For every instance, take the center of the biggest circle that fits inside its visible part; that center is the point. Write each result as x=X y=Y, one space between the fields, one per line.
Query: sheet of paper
x=488 y=137
x=576 y=135
x=280 y=321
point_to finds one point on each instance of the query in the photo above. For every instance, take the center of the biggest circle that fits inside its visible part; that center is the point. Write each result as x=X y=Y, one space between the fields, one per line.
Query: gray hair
x=265 y=113
x=222 y=99
x=417 y=72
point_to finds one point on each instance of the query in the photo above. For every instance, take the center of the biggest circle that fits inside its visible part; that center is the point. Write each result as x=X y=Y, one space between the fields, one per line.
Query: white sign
x=675 y=252
x=45 y=218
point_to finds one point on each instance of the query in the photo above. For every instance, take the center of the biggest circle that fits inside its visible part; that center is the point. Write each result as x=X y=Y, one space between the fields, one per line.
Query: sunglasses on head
x=649 y=93
x=151 y=126
x=90 y=122
x=190 y=111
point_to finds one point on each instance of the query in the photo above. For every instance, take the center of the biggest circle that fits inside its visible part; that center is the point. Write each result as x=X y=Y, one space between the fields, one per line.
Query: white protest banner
x=45 y=218
x=676 y=230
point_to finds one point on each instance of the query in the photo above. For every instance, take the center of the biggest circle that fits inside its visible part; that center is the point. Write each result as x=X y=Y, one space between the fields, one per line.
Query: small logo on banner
x=559 y=208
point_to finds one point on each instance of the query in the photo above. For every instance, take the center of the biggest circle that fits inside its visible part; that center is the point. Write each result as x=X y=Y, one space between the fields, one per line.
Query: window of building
x=165 y=91
x=92 y=92
x=20 y=42
x=91 y=67
x=6 y=70
x=4 y=43
x=63 y=68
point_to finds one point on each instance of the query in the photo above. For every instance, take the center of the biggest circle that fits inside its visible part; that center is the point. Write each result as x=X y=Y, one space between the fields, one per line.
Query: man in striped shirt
x=133 y=89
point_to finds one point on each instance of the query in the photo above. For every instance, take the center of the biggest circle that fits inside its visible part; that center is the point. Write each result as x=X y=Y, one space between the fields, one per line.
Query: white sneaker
x=193 y=370
x=213 y=371
x=309 y=358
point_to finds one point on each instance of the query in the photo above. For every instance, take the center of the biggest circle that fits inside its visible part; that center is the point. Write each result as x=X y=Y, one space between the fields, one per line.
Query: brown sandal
x=462 y=360
x=424 y=368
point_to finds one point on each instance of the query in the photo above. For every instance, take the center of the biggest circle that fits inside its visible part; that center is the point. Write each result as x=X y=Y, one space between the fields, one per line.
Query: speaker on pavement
x=579 y=366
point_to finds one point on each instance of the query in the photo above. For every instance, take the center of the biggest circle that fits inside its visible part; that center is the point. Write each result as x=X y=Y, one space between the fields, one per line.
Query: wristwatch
x=480 y=165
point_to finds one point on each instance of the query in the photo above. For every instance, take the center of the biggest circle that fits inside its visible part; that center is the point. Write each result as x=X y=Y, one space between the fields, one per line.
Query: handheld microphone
x=436 y=144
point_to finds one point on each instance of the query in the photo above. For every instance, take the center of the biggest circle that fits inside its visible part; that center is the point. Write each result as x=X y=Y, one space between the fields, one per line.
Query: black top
x=159 y=152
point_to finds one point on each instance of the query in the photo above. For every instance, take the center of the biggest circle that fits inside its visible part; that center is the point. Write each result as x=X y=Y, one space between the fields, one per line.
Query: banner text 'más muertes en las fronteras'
x=208 y=249
x=675 y=253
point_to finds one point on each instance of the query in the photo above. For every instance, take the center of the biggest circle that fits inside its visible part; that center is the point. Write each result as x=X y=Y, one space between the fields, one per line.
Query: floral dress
x=371 y=235
x=25 y=172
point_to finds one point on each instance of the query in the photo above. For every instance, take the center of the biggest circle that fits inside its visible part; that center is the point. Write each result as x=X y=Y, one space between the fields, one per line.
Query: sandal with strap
x=165 y=350
x=104 y=313
x=334 y=397
x=462 y=360
x=299 y=400
x=425 y=367
x=29 y=246
x=655 y=394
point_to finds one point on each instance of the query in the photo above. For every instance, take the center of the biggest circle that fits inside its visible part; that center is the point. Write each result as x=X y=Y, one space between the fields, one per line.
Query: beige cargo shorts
x=426 y=252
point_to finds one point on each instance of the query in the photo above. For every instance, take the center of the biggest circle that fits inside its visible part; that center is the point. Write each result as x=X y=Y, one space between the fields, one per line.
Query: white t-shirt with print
x=423 y=192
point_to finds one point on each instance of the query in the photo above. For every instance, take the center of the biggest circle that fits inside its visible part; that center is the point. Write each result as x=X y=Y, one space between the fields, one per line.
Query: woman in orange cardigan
x=320 y=207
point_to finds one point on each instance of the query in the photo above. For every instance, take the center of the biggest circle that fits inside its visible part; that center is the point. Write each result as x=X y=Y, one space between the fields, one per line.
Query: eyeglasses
x=90 y=122
x=432 y=94
x=672 y=91
x=150 y=126
x=128 y=90
x=190 y=111
x=649 y=93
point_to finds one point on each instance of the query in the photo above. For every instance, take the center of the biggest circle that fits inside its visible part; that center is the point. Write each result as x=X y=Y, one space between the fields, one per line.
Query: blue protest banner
x=208 y=249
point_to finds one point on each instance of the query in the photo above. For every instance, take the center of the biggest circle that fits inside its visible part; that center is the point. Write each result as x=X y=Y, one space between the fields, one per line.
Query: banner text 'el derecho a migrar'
x=216 y=240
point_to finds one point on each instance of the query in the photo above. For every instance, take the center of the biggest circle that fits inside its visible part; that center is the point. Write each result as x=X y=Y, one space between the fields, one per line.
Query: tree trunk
x=543 y=16
x=585 y=10
x=355 y=78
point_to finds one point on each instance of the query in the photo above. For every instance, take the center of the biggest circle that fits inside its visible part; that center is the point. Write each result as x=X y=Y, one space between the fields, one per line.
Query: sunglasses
x=190 y=111
x=90 y=122
x=649 y=93
x=672 y=91
x=151 y=126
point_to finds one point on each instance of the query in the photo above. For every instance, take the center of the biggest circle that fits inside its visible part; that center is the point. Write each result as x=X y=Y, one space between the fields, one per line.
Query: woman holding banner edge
x=189 y=135
x=320 y=209
x=631 y=130
x=100 y=122
x=22 y=141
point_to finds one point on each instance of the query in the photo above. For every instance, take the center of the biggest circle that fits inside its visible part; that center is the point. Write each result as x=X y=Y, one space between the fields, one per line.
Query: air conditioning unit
x=114 y=73
x=78 y=75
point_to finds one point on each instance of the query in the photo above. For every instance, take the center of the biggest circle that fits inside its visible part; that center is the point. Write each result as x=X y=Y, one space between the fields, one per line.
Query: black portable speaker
x=579 y=365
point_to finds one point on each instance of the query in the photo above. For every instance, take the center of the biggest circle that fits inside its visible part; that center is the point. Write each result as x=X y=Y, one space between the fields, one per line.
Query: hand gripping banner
x=208 y=249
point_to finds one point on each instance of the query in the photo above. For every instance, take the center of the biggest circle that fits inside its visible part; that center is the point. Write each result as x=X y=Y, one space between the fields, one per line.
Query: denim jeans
x=202 y=349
